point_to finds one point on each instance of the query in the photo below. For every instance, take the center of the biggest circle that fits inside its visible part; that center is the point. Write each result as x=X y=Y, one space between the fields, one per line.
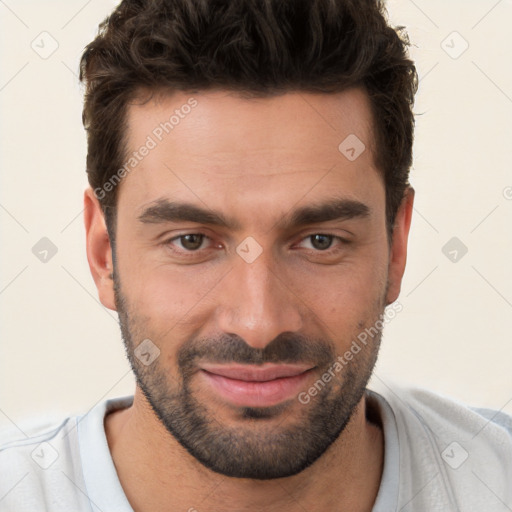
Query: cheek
x=170 y=298
x=345 y=291
x=353 y=304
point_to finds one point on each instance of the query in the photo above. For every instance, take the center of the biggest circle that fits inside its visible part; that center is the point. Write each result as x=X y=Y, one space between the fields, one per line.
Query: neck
x=158 y=474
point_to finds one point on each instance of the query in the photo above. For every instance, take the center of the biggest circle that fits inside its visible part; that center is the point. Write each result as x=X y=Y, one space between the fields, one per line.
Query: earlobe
x=99 y=250
x=398 y=250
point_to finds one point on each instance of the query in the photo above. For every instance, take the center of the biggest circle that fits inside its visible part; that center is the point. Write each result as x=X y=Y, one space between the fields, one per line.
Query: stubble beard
x=264 y=442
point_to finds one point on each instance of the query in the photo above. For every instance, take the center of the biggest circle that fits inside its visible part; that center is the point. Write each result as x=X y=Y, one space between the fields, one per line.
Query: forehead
x=220 y=146
x=226 y=121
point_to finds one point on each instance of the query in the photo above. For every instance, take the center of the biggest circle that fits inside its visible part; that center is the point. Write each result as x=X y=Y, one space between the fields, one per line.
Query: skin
x=254 y=160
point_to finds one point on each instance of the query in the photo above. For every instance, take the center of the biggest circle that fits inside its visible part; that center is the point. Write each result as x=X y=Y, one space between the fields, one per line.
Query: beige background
x=61 y=351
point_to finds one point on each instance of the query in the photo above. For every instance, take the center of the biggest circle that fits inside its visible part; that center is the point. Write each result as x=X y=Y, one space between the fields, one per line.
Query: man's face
x=269 y=289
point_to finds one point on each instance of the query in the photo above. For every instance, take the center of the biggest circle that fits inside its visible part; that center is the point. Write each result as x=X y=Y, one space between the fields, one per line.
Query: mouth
x=256 y=386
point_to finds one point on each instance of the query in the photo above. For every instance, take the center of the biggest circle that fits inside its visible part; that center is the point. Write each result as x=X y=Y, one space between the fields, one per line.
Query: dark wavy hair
x=256 y=48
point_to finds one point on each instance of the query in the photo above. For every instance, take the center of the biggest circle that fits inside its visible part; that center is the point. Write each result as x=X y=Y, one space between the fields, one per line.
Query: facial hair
x=264 y=442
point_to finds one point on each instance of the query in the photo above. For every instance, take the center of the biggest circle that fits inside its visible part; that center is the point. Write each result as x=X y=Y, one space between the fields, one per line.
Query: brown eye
x=191 y=242
x=321 y=242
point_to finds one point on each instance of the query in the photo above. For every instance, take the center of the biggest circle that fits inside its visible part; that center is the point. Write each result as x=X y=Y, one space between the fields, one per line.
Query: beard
x=264 y=442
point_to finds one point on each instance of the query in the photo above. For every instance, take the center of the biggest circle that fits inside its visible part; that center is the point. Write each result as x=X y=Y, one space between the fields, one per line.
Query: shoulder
x=21 y=440
x=446 y=413
x=42 y=460
x=35 y=458
x=458 y=451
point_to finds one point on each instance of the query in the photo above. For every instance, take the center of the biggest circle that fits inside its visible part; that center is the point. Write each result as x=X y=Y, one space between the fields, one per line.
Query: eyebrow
x=163 y=210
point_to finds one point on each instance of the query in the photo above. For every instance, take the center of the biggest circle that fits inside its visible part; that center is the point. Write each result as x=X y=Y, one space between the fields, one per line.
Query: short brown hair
x=255 y=47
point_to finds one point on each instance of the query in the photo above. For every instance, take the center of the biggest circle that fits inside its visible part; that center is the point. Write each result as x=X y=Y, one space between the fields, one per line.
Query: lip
x=255 y=386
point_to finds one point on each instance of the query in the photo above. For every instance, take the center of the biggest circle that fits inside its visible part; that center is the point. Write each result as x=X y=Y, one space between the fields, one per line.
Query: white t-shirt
x=440 y=455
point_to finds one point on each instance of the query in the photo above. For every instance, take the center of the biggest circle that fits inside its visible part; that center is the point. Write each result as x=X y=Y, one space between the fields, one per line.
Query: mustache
x=287 y=348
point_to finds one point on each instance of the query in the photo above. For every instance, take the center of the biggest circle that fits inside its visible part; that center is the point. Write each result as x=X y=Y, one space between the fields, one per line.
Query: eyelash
x=188 y=253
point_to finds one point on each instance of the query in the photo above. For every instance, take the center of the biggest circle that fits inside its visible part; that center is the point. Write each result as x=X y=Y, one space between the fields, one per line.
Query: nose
x=258 y=303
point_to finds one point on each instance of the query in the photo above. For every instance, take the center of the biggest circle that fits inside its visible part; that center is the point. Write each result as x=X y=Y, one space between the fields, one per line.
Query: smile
x=256 y=386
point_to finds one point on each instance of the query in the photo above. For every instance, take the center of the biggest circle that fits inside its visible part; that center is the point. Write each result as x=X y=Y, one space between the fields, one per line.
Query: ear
x=398 y=250
x=99 y=251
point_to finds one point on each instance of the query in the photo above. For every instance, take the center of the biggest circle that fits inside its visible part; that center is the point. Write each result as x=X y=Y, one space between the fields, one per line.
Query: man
x=247 y=217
